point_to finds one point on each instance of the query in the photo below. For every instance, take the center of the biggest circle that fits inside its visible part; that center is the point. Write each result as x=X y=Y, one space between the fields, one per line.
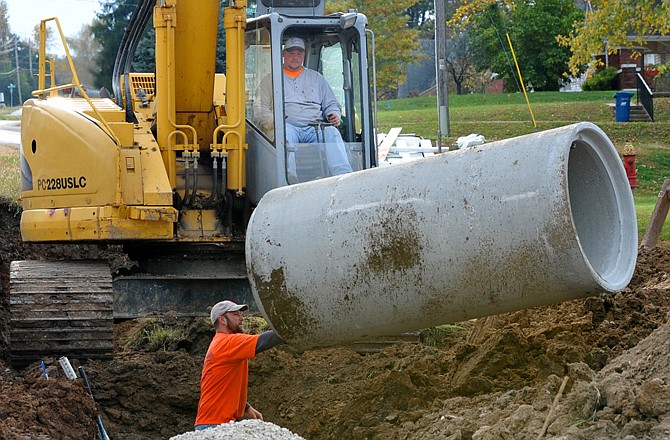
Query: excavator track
x=60 y=308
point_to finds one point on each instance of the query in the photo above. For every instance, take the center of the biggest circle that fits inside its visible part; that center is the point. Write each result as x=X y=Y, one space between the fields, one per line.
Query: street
x=10 y=133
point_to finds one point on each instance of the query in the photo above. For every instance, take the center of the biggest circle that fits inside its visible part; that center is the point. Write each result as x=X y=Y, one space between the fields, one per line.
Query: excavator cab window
x=315 y=149
x=258 y=68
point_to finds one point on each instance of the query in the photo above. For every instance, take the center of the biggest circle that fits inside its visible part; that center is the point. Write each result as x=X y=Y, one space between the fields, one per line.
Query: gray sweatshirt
x=307 y=98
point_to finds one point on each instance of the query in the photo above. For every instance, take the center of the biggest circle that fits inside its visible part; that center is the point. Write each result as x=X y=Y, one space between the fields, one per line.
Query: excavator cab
x=336 y=47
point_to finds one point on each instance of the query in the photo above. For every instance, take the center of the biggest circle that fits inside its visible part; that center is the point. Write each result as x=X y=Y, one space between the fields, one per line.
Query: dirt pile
x=491 y=378
x=34 y=407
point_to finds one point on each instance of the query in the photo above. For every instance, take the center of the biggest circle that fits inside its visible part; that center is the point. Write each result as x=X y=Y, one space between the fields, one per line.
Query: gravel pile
x=243 y=430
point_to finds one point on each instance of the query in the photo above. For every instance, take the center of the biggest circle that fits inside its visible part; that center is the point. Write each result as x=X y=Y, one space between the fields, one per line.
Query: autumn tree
x=395 y=42
x=610 y=25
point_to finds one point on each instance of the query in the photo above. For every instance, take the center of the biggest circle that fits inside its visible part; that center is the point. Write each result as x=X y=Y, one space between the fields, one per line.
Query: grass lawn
x=10 y=177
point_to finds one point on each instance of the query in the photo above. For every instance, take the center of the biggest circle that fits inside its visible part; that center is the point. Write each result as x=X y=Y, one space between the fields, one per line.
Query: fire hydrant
x=629 y=165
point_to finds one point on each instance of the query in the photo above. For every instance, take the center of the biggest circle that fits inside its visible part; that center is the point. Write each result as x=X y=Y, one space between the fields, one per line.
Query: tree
x=419 y=13
x=14 y=62
x=533 y=28
x=614 y=24
x=460 y=60
x=395 y=42
x=108 y=29
x=610 y=25
x=83 y=50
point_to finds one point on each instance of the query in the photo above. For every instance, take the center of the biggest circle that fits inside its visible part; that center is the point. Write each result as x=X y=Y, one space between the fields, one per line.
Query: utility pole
x=441 y=72
x=30 y=59
x=18 y=69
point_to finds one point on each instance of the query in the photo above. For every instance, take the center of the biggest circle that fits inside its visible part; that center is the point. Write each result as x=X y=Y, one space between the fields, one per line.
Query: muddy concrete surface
x=585 y=369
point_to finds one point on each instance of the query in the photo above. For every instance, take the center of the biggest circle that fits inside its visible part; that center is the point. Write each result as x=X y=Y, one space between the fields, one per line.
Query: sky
x=24 y=15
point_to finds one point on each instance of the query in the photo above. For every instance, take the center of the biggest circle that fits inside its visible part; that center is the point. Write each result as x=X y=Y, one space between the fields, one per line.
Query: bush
x=601 y=80
x=664 y=70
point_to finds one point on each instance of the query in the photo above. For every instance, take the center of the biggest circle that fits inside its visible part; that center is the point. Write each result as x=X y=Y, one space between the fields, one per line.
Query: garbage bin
x=622 y=113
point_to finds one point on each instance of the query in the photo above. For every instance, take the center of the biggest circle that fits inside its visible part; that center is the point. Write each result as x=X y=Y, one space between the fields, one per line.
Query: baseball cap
x=294 y=42
x=224 y=307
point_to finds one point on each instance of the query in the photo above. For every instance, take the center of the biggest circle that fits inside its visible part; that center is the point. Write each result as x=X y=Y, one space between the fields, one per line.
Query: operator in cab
x=225 y=372
x=308 y=100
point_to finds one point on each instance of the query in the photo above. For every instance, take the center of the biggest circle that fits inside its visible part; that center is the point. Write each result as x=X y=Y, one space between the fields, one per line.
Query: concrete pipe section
x=504 y=226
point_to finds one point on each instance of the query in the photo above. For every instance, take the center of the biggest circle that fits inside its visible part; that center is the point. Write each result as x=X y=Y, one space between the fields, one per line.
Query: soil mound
x=585 y=369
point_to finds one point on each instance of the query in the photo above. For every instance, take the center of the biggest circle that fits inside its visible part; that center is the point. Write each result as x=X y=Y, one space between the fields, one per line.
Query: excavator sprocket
x=60 y=308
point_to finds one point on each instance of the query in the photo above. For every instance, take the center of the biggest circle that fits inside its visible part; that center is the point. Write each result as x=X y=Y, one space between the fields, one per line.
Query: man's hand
x=251 y=413
x=334 y=119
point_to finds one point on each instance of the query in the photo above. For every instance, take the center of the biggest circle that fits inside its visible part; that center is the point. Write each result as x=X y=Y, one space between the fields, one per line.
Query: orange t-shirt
x=225 y=377
x=293 y=74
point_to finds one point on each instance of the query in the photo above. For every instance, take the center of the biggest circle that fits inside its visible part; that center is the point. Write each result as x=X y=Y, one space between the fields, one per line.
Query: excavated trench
x=495 y=377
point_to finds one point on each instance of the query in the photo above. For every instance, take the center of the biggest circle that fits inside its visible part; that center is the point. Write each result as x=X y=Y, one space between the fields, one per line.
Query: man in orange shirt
x=225 y=373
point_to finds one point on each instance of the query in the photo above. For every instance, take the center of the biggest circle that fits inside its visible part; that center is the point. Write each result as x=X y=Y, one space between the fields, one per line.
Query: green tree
x=5 y=32
x=419 y=13
x=395 y=42
x=536 y=27
x=15 y=58
x=108 y=29
x=533 y=28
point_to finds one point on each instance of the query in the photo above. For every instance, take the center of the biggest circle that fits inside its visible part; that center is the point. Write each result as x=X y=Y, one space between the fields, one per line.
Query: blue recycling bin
x=622 y=113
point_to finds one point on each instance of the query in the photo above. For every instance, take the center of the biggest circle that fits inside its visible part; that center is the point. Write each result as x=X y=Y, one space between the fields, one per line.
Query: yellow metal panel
x=195 y=48
x=152 y=213
x=84 y=224
x=124 y=131
x=199 y=223
x=155 y=182
x=67 y=159
x=105 y=106
x=132 y=192
x=45 y=225
x=92 y=224
x=219 y=89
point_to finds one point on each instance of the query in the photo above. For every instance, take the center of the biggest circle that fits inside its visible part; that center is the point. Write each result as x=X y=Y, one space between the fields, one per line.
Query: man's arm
x=263 y=104
x=267 y=340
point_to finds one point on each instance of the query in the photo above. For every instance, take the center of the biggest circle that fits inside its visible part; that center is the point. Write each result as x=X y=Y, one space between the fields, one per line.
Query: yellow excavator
x=173 y=166
x=211 y=203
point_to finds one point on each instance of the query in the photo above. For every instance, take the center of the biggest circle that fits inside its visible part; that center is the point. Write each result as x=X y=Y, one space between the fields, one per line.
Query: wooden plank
x=657 y=217
x=388 y=141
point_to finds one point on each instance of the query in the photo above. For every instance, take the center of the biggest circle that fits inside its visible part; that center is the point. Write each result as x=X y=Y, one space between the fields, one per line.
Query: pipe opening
x=602 y=208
